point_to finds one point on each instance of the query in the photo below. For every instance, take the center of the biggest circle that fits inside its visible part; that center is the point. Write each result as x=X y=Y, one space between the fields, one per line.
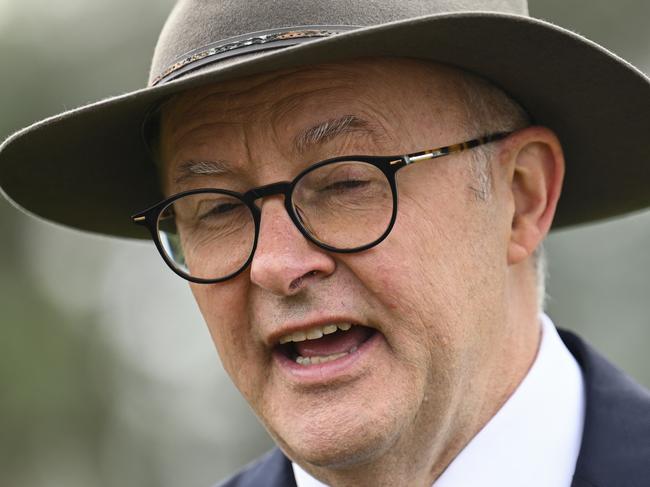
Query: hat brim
x=88 y=168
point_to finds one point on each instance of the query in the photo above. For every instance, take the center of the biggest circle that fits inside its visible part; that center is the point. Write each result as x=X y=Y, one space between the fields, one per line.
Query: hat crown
x=194 y=24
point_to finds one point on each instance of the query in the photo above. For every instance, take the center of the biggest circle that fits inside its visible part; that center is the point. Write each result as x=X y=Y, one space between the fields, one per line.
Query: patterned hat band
x=247 y=43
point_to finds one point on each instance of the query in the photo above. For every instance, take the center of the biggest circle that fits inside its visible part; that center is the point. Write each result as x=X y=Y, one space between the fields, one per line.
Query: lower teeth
x=319 y=359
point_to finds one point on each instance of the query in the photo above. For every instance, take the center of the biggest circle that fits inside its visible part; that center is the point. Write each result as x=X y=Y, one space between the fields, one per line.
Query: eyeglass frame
x=388 y=165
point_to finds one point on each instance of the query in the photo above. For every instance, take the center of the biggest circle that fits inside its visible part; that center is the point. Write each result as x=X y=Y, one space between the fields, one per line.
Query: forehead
x=288 y=90
x=275 y=107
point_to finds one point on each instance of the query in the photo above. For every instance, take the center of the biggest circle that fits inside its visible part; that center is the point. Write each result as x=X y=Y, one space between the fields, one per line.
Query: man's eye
x=346 y=184
x=218 y=210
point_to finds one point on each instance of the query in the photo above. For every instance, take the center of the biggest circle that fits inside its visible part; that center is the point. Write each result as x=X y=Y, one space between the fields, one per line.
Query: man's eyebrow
x=191 y=168
x=329 y=129
x=306 y=139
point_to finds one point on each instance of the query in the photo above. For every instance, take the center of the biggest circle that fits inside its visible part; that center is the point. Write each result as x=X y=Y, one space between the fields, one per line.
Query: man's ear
x=536 y=171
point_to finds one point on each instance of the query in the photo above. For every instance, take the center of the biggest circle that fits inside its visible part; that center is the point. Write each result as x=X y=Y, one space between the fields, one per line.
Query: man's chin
x=337 y=448
x=353 y=421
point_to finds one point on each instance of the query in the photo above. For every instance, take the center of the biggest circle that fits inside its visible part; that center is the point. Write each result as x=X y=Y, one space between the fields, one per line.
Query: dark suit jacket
x=615 y=450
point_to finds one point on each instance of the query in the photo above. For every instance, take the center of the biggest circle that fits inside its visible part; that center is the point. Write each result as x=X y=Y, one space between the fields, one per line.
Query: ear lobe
x=538 y=171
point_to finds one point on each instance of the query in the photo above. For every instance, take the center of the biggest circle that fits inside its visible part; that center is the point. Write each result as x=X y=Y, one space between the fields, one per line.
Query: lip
x=342 y=369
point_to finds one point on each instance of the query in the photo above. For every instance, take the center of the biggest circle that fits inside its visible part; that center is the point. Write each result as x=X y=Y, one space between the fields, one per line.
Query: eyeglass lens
x=344 y=205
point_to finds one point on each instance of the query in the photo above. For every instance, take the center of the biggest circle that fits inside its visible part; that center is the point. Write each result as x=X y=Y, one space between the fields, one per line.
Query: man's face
x=425 y=305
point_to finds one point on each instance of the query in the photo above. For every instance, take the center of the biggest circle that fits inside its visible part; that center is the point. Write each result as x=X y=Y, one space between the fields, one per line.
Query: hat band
x=236 y=46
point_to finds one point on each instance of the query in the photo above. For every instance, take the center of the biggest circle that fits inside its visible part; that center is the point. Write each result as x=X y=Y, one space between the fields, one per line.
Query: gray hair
x=488 y=109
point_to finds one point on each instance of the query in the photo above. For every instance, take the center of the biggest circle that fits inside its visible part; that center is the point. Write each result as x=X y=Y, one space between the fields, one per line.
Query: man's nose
x=285 y=261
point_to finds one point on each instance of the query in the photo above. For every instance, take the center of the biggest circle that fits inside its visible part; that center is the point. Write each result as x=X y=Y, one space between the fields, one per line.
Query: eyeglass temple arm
x=450 y=149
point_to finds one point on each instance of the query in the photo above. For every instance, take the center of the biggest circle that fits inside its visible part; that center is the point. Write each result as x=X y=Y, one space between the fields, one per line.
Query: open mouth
x=325 y=343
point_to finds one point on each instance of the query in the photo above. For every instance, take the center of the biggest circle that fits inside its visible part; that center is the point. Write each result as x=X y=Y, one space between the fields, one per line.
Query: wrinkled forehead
x=380 y=93
x=309 y=89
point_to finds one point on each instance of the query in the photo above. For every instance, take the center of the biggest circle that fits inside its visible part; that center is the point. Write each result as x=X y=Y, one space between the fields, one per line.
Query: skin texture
x=451 y=290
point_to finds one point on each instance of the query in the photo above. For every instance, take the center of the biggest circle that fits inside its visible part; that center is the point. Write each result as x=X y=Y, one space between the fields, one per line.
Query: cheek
x=428 y=270
x=409 y=288
x=417 y=313
x=225 y=312
x=223 y=308
x=458 y=255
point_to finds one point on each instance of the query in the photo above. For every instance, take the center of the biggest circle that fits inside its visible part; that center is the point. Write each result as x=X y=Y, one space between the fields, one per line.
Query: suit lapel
x=272 y=470
x=615 y=447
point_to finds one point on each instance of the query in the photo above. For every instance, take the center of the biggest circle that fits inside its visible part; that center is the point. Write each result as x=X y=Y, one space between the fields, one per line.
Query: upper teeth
x=314 y=333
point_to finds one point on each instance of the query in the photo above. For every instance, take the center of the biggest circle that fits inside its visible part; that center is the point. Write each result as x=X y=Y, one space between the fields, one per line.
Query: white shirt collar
x=534 y=439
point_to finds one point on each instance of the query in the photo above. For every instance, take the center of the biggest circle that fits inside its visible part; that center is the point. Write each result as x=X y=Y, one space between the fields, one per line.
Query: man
x=359 y=216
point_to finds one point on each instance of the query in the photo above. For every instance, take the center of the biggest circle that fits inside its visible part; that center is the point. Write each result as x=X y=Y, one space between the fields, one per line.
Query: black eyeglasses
x=346 y=204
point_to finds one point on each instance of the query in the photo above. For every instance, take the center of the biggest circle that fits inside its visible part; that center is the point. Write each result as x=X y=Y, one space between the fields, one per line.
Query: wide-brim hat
x=89 y=168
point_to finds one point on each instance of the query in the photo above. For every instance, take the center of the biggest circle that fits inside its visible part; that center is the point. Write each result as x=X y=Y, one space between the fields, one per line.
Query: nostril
x=296 y=283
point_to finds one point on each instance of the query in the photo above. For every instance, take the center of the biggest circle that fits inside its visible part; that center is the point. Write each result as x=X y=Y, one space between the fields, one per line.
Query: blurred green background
x=107 y=373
